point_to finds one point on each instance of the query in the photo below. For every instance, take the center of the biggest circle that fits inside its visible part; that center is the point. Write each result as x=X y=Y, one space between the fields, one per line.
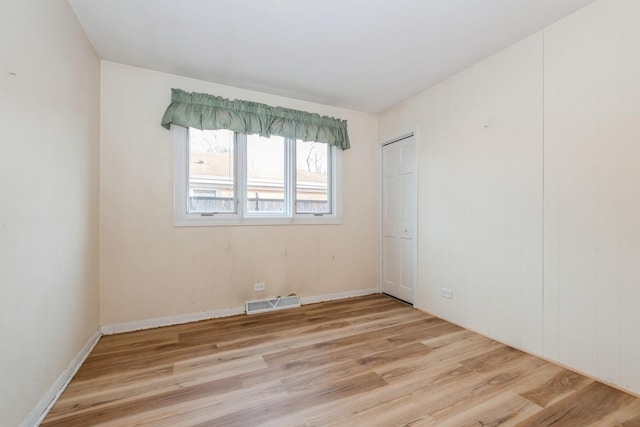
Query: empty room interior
x=322 y=212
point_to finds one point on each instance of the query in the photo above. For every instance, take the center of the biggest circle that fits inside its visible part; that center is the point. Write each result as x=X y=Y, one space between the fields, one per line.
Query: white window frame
x=181 y=218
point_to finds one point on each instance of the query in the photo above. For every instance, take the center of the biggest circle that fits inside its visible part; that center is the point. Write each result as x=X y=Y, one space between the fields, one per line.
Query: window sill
x=208 y=221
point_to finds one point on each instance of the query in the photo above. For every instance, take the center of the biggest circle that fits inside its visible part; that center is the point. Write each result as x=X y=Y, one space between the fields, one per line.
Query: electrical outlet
x=446 y=293
x=260 y=286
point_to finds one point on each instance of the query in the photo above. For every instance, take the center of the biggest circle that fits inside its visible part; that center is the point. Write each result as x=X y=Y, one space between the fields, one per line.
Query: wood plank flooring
x=364 y=361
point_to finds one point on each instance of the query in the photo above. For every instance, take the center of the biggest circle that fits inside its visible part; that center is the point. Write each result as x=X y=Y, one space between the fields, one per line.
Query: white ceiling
x=365 y=55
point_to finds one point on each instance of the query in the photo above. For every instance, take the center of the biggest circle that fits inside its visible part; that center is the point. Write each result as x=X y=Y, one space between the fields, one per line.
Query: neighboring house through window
x=226 y=178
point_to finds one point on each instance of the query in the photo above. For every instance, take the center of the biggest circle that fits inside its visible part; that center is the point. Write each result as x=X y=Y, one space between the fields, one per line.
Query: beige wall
x=528 y=200
x=49 y=101
x=150 y=269
x=480 y=194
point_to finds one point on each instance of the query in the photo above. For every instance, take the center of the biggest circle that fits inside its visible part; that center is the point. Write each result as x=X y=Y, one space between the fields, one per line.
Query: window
x=266 y=174
x=211 y=168
x=226 y=178
x=313 y=177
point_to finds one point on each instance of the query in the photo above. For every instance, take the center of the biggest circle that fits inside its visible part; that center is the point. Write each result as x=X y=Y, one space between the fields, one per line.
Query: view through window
x=211 y=171
x=266 y=171
x=312 y=177
x=282 y=177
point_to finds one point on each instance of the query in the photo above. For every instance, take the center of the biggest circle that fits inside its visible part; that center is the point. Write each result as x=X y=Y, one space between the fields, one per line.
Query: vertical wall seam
x=542 y=331
x=619 y=379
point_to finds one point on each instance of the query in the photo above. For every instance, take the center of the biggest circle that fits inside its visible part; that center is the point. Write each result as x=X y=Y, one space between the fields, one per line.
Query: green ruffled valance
x=202 y=111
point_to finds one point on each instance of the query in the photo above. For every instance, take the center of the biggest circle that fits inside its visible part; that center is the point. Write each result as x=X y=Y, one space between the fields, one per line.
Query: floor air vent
x=274 y=304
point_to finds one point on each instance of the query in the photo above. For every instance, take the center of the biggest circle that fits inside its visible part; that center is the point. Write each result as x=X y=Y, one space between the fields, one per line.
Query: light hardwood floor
x=363 y=361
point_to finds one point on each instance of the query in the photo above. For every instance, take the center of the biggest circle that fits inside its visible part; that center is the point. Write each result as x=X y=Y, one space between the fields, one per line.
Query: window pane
x=312 y=177
x=265 y=174
x=211 y=162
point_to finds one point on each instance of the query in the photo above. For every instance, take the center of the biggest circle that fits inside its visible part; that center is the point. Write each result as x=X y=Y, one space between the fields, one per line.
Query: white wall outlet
x=446 y=293
x=260 y=286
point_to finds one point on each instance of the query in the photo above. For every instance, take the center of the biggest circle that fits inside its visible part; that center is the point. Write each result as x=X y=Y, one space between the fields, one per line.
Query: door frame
x=410 y=133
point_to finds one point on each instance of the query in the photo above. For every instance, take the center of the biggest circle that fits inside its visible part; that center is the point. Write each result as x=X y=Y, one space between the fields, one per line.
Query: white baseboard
x=213 y=314
x=157 y=322
x=45 y=404
x=338 y=295
x=49 y=399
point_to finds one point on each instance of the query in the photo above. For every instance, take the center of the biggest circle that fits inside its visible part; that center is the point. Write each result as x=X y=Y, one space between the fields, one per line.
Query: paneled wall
x=529 y=208
x=480 y=194
x=592 y=202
